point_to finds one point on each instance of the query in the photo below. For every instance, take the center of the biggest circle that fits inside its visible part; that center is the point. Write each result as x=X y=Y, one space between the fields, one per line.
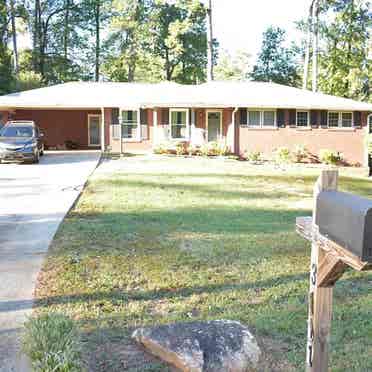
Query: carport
x=68 y=118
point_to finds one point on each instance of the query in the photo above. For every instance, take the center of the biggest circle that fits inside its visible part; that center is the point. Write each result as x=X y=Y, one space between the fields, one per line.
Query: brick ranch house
x=248 y=116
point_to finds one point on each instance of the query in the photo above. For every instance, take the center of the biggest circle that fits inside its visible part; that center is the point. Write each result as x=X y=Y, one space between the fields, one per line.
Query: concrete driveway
x=34 y=199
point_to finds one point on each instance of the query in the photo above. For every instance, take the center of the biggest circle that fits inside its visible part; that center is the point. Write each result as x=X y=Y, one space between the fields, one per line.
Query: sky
x=239 y=24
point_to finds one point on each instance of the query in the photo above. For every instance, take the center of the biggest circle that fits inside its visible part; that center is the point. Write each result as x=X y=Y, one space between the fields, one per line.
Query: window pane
x=347 y=119
x=333 y=119
x=269 y=118
x=178 y=131
x=178 y=117
x=302 y=119
x=129 y=116
x=178 y=124
x=129 y=131
x=254 y=118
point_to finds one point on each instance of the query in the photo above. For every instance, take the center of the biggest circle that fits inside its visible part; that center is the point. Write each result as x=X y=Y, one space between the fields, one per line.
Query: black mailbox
x=347 y=220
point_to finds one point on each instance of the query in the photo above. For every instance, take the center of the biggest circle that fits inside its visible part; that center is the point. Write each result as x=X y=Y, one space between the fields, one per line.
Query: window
x=179 y=123
x=346 y=119
x=268 y=118
x=129 y=122
x=333 y=119
x=302 y=118
x=261 y=118
x=254 y=118
x=340 y=119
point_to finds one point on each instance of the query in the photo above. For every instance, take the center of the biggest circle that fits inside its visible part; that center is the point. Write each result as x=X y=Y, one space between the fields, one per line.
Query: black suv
x=21 y=141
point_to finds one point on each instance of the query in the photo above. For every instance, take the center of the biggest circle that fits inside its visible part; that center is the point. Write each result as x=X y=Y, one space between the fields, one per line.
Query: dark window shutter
x=324 y=118
x=115 y=116
x=357 y=119
x=164 y=116
x=314 y=114
x=143 y=116
x=292 y=118
x=243 y=116
x=280 y=118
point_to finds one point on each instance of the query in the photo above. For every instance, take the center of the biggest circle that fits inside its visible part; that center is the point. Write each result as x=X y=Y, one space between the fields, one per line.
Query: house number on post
x=340 y=232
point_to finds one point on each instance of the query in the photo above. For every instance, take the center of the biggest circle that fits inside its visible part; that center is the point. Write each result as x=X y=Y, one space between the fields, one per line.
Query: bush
x=300 y=153
x=161 y=148
x=181 y=148
x=330 y=157
x=253 y=156
x=223 y=149
x=193 y=150
x=215 y=149
x=52 y=343
x=282 y=155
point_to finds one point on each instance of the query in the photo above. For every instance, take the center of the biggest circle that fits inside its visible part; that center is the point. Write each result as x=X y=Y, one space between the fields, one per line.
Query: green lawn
x=163 y=240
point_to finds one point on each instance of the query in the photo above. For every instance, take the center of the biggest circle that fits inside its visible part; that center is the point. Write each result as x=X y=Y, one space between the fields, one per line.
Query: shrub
x=223 y=149
x=300 y=153
x=330 y=157
x=193 y=150
x=52 y=343
x=253 y=156
x=181 y=148
x=215 y=149
x=161 y=148
x=282 y=155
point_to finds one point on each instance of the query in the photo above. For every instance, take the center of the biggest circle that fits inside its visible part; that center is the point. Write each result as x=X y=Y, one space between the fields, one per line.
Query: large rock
x=214 y=346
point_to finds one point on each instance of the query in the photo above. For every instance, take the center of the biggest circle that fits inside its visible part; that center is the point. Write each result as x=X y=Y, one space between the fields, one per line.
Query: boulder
x=211 y=346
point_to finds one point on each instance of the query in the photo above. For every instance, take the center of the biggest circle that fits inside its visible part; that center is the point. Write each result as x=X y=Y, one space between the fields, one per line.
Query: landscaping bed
x=155 y=240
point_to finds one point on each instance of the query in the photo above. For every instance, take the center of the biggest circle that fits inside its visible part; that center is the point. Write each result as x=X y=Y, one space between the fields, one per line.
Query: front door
x=94 y=130
x=214 y=125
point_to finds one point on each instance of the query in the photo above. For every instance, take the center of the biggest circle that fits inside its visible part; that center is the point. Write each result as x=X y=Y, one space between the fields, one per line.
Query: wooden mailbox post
x=331 y=256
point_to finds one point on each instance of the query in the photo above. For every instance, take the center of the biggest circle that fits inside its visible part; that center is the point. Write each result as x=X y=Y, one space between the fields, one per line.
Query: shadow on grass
x=150 y=295
x=211 y=220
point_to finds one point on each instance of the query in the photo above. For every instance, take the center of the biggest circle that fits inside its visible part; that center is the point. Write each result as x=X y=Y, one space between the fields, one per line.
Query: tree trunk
x=308 y=47
x=66 y=31
x=315 y=44
x=210 y=75
x=14 y=37
x=98 y=39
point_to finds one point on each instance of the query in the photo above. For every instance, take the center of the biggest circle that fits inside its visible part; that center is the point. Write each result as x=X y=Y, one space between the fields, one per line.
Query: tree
x=210 y=62
x=233 y=67
x=6 y=76
x=275 y=62
x=345 y=61
x=179 y=37
x=52 y=38
x=130 y=35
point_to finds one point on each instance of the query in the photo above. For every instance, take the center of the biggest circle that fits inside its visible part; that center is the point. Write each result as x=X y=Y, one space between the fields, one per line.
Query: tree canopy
x=156 y=40
x=276 y=63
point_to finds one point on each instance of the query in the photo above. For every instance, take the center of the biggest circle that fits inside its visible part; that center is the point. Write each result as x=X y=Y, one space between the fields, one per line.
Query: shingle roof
x=214 y=94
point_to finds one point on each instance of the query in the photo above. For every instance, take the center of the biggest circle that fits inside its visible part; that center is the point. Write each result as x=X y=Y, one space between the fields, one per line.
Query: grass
x=161 y=240
x=52 y=343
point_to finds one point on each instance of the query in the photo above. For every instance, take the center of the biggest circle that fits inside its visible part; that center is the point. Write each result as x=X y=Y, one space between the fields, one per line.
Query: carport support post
x=320 y=298
x=103 y=129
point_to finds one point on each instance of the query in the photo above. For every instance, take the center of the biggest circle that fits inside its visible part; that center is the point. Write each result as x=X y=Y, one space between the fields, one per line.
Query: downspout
x=234 y=147
x=103 y=130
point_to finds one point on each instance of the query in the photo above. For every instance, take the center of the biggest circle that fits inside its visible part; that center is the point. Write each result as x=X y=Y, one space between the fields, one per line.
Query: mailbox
x=347 y=220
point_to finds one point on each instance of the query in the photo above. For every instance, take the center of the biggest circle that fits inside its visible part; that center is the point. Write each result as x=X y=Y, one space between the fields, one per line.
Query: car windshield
x=16 y=131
